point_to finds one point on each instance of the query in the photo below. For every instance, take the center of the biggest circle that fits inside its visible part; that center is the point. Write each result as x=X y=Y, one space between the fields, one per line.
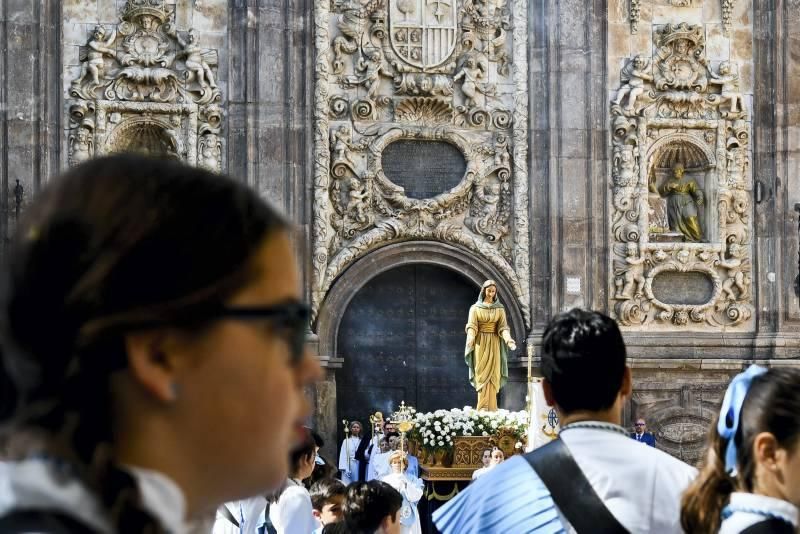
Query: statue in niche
x=630 y=274
x=684 y=200
x=488 y=342
x=736 y=264
x=728 y=78
x=633 y=76
x=81 y=144
x=93 y=55
x=196 y=66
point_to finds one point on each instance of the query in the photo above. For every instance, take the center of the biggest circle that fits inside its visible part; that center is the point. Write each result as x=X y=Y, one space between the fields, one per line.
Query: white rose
x=441 y=443
x=485 y=434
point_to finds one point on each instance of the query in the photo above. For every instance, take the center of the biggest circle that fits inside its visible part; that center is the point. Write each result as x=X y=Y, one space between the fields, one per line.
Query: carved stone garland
x=426 y=70
x=681 y=195
x=144 y=86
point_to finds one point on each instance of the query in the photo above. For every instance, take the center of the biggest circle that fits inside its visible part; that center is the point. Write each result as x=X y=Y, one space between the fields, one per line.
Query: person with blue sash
x=593 y=478
x=750 y=482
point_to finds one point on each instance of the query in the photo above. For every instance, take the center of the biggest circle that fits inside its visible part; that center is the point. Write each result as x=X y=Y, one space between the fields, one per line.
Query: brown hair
x=772 y=404
x=111 y=244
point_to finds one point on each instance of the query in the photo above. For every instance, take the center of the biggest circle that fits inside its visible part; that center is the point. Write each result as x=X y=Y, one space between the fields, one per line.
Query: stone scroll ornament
x=420 y=71
x=146 y=86
x=681 y=192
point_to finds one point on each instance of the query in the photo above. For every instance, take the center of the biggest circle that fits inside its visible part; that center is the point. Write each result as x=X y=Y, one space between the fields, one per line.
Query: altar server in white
x=348 y=465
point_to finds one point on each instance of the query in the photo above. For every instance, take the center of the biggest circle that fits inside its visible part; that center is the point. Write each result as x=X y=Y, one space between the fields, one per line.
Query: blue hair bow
x=731 y=410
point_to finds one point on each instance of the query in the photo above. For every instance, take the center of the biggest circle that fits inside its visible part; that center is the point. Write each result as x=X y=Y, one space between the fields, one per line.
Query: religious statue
x=684 y=200
x=488 y=342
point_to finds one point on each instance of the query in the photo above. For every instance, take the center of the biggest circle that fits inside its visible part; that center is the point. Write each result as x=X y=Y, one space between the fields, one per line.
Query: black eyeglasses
x=290 y=318
x=639 y=424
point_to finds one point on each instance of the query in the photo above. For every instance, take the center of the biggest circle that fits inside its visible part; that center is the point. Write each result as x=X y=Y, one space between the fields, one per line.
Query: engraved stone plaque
x=690 y=288
x=423 y=168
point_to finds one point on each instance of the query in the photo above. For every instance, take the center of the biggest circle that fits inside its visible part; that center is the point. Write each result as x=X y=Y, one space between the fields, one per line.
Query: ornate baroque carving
x=144 y=86
x=681 y=193
x=422 y=70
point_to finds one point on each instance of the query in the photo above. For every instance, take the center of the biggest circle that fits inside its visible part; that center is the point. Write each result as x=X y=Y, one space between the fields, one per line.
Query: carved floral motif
x=427 y=71
x=146 y=86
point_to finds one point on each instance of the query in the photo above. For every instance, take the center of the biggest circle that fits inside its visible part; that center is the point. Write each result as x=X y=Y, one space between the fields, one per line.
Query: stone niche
x=421 y=133
x=146 y=86
x=681 y=190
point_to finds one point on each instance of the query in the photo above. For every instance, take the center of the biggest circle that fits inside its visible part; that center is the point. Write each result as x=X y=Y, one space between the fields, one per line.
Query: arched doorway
x=402 y=338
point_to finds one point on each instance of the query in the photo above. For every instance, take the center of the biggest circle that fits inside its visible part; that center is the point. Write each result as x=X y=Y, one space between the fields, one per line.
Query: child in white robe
x=410 y=488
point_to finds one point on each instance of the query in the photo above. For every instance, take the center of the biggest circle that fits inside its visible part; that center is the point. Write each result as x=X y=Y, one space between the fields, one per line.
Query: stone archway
x=423 y=275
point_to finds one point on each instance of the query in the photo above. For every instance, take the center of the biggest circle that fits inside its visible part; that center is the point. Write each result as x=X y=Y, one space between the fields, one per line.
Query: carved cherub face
x=375 y=56
x=147 y=22
x=734 y=250
x=99 y=32
x=82 y=135
x=192 y=36
x=639 y=62
x=681 y=46
x=631 y=249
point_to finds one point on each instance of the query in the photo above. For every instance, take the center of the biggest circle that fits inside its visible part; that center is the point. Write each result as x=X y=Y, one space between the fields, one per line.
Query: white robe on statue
x=348 y=464
x=410 y=488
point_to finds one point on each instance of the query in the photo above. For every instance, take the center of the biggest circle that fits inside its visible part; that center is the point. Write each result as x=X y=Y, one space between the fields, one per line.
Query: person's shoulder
x=505 y=497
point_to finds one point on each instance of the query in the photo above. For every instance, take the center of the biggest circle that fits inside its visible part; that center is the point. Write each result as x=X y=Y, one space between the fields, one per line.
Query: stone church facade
x=637 y=157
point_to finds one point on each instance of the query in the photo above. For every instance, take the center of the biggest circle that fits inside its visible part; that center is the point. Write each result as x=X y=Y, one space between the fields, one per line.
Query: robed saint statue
x=488 y=343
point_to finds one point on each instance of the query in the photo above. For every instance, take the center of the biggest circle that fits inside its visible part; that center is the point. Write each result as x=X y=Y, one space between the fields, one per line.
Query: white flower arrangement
x=438 y=429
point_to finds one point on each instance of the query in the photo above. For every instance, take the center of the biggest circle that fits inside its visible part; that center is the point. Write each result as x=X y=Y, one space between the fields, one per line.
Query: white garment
x=292 y=514
x=411 y=490
x=740 y=520
x=640 y=486
x=39 y=484
x=249 y=513
x=347 y=459
x=480 y=472
x=379 y=466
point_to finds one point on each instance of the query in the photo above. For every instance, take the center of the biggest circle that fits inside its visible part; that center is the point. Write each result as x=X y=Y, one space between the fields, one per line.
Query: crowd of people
x=153 y=371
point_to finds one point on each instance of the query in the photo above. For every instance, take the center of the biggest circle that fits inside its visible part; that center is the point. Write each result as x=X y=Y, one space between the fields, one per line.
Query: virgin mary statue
x=488 y=342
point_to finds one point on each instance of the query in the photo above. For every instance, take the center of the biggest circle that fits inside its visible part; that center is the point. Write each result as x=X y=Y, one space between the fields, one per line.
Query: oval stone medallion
x=423 y=169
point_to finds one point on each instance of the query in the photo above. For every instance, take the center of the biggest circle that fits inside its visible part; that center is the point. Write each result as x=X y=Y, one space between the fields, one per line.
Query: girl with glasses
x=152 y=331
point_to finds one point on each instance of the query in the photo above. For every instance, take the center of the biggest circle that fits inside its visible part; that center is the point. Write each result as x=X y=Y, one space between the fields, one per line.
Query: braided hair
x=113 y=243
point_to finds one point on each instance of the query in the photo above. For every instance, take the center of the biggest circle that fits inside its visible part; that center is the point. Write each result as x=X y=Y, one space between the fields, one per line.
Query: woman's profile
x=153 y=330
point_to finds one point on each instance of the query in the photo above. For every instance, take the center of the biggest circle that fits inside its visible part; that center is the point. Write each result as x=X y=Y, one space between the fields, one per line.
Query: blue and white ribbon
x=731 y=410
